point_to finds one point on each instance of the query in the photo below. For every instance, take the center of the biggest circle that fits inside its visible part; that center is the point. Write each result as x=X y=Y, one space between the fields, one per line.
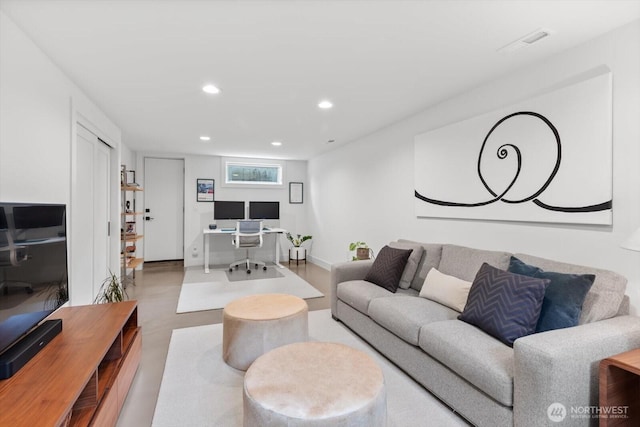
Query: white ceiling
x=144 y=62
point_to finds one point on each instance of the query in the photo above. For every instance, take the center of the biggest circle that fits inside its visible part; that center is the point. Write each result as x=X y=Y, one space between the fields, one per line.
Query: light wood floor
x=157 y=289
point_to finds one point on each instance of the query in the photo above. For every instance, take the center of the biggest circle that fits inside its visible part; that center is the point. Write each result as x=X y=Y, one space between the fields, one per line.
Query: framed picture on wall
x=295 y=192
x=205 y=189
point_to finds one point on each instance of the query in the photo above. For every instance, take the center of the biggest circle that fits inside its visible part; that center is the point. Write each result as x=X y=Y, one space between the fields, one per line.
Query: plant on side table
x=362 y=250
x=111 y=290
x=297 y=252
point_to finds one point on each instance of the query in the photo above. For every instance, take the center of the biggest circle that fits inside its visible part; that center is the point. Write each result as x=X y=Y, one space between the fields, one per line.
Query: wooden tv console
x=81 y=378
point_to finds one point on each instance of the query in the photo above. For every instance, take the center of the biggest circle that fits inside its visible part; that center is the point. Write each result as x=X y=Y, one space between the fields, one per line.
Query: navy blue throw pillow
x=503 y=304
x=387 y=268
x=563 y=298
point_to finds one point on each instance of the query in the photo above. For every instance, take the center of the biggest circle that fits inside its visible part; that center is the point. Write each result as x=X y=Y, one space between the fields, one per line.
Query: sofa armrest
x=343 y=272
x=561 y=366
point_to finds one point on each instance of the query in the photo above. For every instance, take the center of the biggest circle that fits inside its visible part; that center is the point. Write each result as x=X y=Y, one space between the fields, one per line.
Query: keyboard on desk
x=228 y=229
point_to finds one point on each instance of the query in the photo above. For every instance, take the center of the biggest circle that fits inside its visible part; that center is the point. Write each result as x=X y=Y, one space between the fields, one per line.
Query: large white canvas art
x=546 y=159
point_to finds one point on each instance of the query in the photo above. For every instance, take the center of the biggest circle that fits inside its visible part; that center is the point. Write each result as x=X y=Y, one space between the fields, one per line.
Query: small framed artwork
x=205 y=189
x=295 y=192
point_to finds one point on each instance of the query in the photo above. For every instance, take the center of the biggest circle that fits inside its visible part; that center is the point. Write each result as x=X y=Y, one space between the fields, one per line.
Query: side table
x=620 y=390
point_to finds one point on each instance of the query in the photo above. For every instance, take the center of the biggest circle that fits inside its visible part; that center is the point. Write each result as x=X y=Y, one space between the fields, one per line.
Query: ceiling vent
x=526 y=41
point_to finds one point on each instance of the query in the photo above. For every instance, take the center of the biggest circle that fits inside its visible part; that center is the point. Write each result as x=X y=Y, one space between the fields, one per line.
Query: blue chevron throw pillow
x=387 y=268
x=503 y=304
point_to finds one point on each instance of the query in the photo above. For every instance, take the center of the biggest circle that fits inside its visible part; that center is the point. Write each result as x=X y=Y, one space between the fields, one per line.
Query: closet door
x=90 y=205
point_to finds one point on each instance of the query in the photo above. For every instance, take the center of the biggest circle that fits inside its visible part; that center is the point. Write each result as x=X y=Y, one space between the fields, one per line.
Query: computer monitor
x=228 y=210
x=264 y=210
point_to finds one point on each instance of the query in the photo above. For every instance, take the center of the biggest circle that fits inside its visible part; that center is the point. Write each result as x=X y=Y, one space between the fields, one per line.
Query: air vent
x=526 y=41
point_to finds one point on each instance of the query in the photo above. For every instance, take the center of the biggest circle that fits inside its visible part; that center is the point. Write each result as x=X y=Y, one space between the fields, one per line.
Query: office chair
x=248 y=234
x=11 y=255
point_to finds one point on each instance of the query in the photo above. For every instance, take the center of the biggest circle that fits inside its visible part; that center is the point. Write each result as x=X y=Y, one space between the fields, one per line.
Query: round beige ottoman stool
x=253 y=325
x=314 y=384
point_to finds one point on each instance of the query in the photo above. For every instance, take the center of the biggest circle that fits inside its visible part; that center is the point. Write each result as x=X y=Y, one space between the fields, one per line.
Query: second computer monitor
x=264 y=210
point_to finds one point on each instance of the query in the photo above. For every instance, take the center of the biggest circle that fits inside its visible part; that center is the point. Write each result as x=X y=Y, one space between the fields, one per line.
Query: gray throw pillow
x=412 y=263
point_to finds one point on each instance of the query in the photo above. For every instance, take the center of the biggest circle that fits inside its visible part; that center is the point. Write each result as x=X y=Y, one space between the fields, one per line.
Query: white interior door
x=90 y=217
x=164 y=209
x=101 y=175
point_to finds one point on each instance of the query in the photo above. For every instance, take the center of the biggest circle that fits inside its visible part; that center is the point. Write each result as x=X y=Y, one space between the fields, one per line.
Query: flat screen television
x=33 y=267
x=264 y=210
x=228 y=210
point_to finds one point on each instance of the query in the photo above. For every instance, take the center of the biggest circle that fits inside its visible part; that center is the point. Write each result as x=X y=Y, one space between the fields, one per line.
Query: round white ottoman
x=314 y=384
x=253 y=325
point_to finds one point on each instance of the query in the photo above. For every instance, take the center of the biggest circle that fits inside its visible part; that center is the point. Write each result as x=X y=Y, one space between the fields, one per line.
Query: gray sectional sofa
x=487 y=382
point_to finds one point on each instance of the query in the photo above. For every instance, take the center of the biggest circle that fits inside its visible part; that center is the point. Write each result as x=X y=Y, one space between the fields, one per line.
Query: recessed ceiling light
x=276 y=143
x=325 y=105
x=205 y=138
x=210 y=89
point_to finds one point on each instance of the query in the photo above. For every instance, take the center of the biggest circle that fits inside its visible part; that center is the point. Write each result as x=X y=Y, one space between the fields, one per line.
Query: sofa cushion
x=387 y=268
x=605 y=296
x=489 y=366
x=417 y=251
x=405 y=315
x=359 y=293
x=563 y=297
x=504 y=305
x=430 y=259
x=464 y=263
x=446 y=290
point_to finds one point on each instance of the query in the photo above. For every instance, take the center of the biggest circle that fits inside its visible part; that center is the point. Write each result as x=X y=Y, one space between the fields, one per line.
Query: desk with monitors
x=210 y=234
x=228 y=212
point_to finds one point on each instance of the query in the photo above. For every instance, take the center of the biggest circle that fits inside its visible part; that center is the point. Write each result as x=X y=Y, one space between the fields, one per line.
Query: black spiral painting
x=503 y=152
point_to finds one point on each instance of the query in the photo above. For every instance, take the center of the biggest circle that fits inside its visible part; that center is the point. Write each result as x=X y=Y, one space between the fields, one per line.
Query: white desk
x=208 y=234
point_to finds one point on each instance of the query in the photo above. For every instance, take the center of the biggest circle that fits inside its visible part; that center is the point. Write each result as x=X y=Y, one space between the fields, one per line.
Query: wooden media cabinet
x=81 y=378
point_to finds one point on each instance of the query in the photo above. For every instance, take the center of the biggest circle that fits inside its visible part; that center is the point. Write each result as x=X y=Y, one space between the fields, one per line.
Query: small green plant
x=112 y=290
x=298 y=240
x=362 y=250
x=355 y=245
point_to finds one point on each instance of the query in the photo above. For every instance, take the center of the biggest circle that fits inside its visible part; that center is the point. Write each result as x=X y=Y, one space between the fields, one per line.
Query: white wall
x=198 y=215
x=365 y=190
x=39 y=107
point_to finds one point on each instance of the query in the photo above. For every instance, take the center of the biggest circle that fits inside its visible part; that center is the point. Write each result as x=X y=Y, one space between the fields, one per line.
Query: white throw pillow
x=447 y=290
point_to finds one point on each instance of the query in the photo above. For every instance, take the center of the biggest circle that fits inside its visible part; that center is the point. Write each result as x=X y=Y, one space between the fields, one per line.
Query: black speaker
x=17 y=356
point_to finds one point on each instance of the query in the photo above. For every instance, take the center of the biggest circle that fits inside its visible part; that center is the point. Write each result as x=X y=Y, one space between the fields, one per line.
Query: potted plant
x=361 y=248
x=297 y=252
x=112 y=290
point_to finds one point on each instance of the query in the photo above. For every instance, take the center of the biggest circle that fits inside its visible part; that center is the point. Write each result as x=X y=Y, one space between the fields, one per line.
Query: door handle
x=148 y=218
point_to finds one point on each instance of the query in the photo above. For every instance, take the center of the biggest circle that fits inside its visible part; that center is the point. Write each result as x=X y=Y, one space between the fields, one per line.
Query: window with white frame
x=253 y=173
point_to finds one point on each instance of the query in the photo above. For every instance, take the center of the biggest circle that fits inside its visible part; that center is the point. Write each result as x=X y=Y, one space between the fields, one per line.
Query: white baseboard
x=320 y=262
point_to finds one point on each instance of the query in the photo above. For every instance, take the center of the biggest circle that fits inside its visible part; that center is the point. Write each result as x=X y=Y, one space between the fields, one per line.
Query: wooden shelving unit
x=82 y=377
x=129 y=260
